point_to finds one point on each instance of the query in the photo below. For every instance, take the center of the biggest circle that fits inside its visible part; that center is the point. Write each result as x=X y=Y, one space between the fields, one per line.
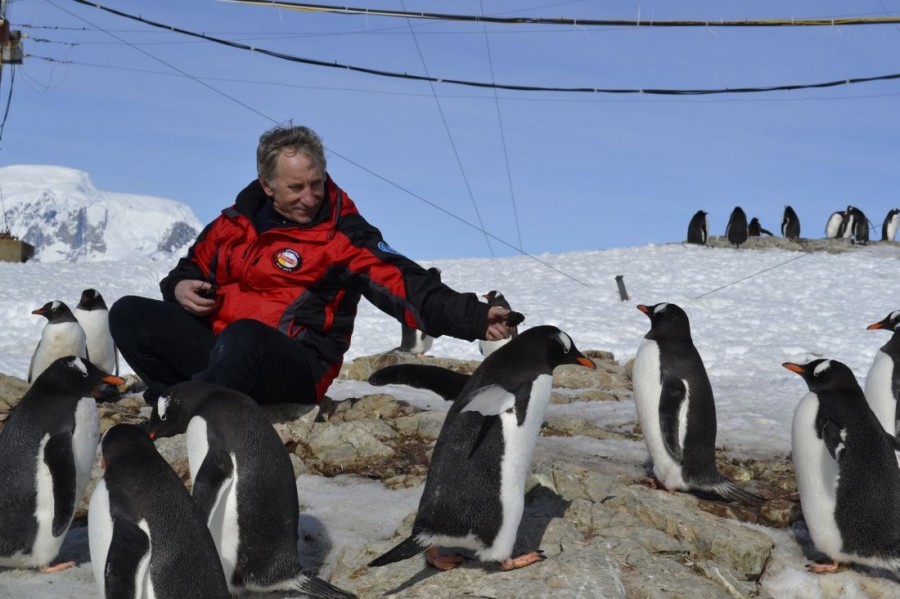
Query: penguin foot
x=653 y=483
x=446 y=561
x=523 y=560
x=57 y=568
x=825 y=568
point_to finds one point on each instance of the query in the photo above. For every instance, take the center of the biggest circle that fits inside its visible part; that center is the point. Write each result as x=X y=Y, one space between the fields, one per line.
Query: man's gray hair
x=292 y=139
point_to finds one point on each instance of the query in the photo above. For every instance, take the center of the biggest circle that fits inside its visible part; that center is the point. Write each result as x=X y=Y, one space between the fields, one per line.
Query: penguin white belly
x=100 y=344
x=647 y=389
x=46 y=546
x=817 y=478
x=519 y=442
x=833 y=225
x=197 y=445
x=143 y=580
x=878 y=391
x=84 y=442
x=100 y=531
x=423 y=343
x=58 y=340
x=223 y=524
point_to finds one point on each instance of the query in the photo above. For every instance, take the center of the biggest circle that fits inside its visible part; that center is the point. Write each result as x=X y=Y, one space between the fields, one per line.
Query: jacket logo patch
x=287 y=260
x=387 y=249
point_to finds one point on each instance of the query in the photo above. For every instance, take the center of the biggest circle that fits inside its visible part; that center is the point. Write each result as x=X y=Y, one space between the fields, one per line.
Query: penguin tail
x=728 y=490
x=405 y=550
x=316 y=587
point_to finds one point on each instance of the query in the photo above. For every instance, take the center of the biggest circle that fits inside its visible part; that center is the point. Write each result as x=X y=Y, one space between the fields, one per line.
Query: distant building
x=13 y=249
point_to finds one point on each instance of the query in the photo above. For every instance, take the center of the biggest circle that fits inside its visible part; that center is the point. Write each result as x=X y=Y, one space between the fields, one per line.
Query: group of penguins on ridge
x=237 y=529
x=843 y=224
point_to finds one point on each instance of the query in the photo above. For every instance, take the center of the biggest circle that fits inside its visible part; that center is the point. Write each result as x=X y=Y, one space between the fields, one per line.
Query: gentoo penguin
x=698 y=228
x=737 y=230
x=833 y=228
x=754 y=229
x=848 y=222
x=244 y=485
x=860 y=227
x=883 y=380
x=62 y=336
x=474 y=494
x=846 y=469
x=890 y=225
x=790 y=224
x=146 y=535
x=676 y=408
x=93 y=316
x=495 y=298
x=412 y=340
x=46 y=452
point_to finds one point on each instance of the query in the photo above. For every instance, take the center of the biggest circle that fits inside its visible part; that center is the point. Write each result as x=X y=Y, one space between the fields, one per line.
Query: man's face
x=298 y=187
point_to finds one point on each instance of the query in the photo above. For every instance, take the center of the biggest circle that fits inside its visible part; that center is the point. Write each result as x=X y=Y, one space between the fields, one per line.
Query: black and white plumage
x=487 y=347
x=474 y=493
x=93 y=316
x=883 y=380
x=698 y=228
x=890 y=225
x=790 y=224
x=46 y=452
x=244 y=485
x=412 y=340
x=846 y=468
x=676 y=407
x=755 y=229
x=836 y=225
x=62 y=336
x=737 y=230
x=147 y=537
x=860 y=225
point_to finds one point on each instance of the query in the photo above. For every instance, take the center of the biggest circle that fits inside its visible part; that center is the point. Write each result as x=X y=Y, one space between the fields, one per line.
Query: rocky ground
x=605 y=531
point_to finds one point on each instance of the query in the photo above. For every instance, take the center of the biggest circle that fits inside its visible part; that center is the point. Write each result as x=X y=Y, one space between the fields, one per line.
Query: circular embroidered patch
x=287 y=260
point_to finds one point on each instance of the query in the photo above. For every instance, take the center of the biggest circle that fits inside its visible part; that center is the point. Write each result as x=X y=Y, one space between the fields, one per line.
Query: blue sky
x=152 y=112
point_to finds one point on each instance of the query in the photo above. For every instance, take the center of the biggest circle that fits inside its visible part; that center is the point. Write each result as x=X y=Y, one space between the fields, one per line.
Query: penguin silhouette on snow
x=93 y=316
x=846 y=469
x=474 y=493
x=883 y=380
x=737 y=230
x=698 y=228
x=755 y=229
x=676 y=408
x=147 y=536
x=46 y=452
x=62 y=336
x=244 y=484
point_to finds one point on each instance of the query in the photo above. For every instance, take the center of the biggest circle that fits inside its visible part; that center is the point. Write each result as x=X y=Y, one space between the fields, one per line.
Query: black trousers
x=164 y=344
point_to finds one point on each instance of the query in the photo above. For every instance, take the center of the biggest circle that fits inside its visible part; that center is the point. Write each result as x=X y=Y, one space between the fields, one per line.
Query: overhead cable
x=487 y=85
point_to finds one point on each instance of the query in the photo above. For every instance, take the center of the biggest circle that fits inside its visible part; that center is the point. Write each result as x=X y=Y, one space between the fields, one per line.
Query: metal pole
x=621 y=283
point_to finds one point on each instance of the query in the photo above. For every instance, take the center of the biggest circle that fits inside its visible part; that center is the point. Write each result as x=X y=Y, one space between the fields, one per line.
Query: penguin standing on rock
x=474 y=494
x=46 y=452
x=676 y=408
x=244 y=485
x=495 y=298
x=412 y=340
x=62 y=336
x=846 y=469
x=698 y=228
x=147 y=537
x=890 y=225
x=860 y=226
x=93 y=316
x=790 y=224
x=737 y=230
x=883 y=380
x=755 y=229
x=835 y=226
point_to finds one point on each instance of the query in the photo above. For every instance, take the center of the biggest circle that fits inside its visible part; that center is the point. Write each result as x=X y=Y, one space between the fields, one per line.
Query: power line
x=485 y=85
x=375 y=12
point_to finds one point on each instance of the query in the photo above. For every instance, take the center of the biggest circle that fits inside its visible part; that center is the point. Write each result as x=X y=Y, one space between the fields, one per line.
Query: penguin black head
x=55 y=311
x=91 y=300
x=666 y=321
x=124 y=440
x=890 y=322
x=547 y=343
x=174 y=409
x=75 y=375
x=825 y=375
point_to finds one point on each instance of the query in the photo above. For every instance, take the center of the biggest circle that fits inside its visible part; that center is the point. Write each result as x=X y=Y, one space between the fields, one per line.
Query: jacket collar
x=253 y=198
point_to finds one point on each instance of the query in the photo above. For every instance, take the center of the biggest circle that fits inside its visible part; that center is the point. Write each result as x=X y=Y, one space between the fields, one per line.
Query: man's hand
x=497 y=328
x=189 y=295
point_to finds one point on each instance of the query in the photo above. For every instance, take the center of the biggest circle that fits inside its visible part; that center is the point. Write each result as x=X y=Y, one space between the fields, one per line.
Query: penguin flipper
x=406 y=549
x=316 y=587
x=833 y=438
x=445 y=383
x=491 y=400
x=61 y=462
x=670 y=401
x=216 y=470
x=129 y=549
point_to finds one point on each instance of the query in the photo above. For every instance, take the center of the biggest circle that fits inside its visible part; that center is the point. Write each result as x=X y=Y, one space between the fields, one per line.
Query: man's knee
x=123 y=313
x=245 y=332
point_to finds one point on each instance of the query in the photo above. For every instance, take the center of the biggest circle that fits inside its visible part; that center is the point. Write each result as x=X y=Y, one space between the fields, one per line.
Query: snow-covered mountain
x=60 y=212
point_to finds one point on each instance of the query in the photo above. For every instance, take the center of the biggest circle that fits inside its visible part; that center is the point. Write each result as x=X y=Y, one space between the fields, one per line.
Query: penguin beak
x=878 y=325
x=152 y=435
x=586 y=362
x=643 y=308
x=113 y=380
x=39 y=311
x=794 y=368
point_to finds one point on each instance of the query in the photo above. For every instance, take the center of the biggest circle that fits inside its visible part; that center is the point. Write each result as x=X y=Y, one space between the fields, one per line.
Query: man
x=264 y=301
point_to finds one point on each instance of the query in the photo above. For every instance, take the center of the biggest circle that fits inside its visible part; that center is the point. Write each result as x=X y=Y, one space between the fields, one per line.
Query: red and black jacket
x=306 y=280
